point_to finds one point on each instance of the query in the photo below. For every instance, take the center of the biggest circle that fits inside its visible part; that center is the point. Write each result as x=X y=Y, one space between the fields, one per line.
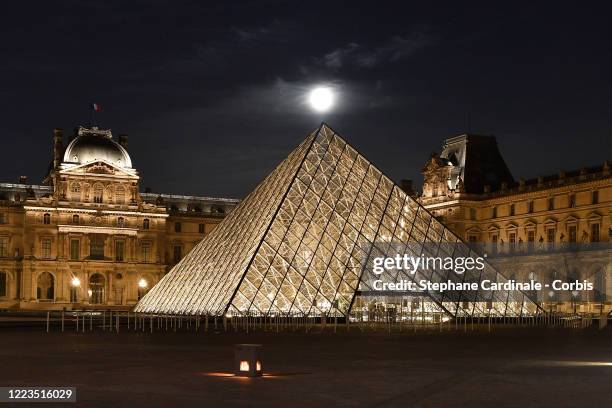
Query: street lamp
x=142 y=283
x=76 y=282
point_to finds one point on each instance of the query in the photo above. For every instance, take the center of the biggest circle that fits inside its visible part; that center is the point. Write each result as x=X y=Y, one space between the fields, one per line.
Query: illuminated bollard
x=247 y=360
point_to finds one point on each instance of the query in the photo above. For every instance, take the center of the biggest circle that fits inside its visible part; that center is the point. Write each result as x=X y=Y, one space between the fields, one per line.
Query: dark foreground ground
x=519 y=368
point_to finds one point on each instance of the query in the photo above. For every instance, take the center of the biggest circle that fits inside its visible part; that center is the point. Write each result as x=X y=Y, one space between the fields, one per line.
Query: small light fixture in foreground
x=75 y=282
x=247 y=360
x=142 y=284
x=321 y=99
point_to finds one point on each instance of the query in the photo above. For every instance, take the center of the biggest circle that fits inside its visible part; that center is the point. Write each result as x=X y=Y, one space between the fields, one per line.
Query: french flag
x=96 y=107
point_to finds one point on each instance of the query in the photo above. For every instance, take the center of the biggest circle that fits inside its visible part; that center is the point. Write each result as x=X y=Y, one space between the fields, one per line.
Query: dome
x=92 y=145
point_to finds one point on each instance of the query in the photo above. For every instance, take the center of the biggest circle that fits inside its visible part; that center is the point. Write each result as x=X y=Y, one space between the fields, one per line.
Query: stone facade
x=88 y=237
x=546 y=228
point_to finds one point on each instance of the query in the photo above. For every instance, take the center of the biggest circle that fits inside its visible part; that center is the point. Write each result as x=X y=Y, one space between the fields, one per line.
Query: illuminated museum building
x=87 y=236
x=545 y=228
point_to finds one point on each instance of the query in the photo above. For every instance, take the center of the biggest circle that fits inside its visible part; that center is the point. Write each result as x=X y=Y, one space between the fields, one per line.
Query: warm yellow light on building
x=244 y=366
x=75 y=282
x=142 y=284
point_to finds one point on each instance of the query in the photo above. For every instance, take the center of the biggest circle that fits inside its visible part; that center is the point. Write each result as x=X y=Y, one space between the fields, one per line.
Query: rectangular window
x=201 y=228
x=572 y=233
x=45 y=248
x=146 y=252
x=3 y=246
x=512 y=241
x=595 y=197
x=75 y=249
x=572 y=200
x=119 y=250
x=96 y=247
x=594 y=232
x=530 y=207
x=2 y=284
x=494 y=239
x=74 y=294
x=550 y=237
x=177 y=227
x=511 y=209
x=530 y=239
x=178 y=252
x=3 y=218
x=551 y=204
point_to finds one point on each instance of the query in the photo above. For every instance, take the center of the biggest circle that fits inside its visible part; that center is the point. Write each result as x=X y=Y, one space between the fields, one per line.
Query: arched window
x=75 y=192
x=47 y=219
x=45 y=286
x=120 y=195
x=145 y=224
x=121 y=222
x=98 y=194
x=75 y=219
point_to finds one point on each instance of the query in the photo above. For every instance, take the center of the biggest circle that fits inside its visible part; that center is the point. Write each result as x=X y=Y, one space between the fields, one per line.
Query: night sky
x=212 y=95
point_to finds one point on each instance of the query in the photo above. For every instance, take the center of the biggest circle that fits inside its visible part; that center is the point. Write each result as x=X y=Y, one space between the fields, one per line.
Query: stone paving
x=508 y=368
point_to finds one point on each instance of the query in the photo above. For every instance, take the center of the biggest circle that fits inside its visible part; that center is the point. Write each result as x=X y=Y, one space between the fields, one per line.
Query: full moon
x=321 y=99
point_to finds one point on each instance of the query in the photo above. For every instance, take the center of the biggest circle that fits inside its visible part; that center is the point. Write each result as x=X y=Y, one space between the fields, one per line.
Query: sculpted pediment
x=98 y=167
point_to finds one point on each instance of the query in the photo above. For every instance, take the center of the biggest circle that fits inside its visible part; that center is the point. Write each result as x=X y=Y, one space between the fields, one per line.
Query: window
x=595 y=197
x=494 y=212
x=121 y=222
x=511 y=209
x=119 y=251
x=45 y=248
x=75 y=219
x=75 y=192
x=120 y=195
x=573 y=232
x=96 y=247
x=572 y=200
x=3 y=218
x=145 y=224
x=74 y=294
x=494 y=239
x=551 y=204
x=178 y=252
x=47 y=219
x=2 y=284
x=98 y=194
x=146 y=252
x=472 y=214
x=530 y=207
x=201 y=228
x=512 y=240
x=75 y=249
x=550 y=236
x=594 y=232
x=3 y=246
x=177 y=227
x=530 y=239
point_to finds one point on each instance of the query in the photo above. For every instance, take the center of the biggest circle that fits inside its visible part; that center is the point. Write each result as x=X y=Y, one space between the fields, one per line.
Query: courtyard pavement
x=508 y=368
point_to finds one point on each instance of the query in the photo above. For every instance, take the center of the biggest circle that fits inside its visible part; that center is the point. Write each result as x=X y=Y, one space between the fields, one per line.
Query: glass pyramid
x=302 y=244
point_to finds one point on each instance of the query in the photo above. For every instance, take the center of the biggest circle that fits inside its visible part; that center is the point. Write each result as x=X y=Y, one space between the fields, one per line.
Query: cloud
x=394 y=49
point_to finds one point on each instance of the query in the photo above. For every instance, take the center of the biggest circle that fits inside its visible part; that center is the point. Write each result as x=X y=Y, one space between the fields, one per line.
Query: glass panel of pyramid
x=303 y=243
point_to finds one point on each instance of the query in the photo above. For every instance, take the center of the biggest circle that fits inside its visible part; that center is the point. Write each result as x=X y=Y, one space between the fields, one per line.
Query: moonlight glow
x=321 y=99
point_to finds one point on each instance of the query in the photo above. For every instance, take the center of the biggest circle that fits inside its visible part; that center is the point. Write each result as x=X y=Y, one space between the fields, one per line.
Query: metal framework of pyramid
x=301 y=242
